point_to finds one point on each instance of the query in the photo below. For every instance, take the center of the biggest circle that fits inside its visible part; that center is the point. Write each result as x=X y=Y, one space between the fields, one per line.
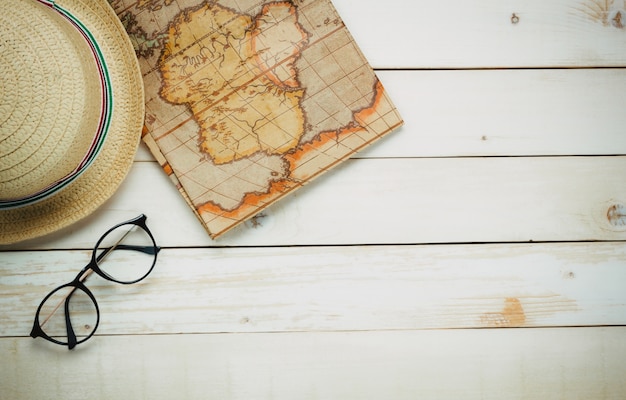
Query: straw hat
x=71 y=112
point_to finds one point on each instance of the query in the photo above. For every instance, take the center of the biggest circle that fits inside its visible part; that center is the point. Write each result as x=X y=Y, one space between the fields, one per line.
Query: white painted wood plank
x=506 y=112
x=337 y=289
x=503 y=113
x=583 y=363
x=387 y=201
x=478 y=34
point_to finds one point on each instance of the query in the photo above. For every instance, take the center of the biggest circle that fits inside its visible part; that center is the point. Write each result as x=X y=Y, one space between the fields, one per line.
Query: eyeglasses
x=126 y=263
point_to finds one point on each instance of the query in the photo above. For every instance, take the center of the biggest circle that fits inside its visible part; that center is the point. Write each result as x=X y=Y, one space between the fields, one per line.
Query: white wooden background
x=477 y=253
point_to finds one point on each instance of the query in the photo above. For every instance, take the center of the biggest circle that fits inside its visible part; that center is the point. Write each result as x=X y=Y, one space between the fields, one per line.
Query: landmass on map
x=238 y=81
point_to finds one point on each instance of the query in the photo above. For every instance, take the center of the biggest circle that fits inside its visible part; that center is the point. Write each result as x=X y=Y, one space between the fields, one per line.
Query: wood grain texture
x=510 y=364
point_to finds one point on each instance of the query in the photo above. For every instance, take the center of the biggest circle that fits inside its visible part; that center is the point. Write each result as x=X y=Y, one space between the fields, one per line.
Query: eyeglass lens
x=80 y=308
x=133 y=256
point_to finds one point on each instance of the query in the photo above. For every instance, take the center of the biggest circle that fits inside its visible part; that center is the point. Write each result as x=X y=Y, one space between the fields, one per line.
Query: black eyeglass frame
x=77 y=283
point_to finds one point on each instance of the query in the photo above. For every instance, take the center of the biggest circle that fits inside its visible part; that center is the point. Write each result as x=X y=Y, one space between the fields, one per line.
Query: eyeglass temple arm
x=71 y=335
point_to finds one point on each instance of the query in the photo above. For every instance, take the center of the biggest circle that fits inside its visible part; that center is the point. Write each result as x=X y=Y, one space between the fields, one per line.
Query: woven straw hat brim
x=102 y=178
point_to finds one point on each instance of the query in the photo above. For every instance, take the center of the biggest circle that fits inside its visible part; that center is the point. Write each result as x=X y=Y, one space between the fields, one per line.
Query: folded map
x=248 y=100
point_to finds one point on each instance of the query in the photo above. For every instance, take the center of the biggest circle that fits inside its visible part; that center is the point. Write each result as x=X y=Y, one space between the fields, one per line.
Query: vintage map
x=247 y=100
